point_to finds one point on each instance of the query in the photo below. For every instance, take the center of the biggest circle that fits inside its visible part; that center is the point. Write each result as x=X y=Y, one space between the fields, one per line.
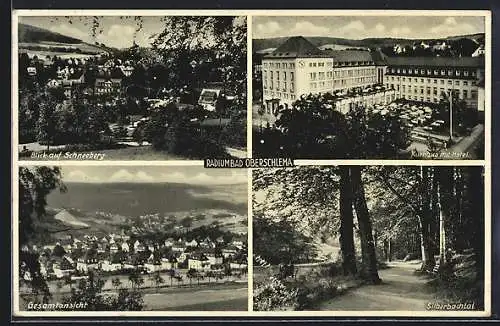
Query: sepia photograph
x=362 y=239
x=126 y=238
x=369 y=87
x=131 y=87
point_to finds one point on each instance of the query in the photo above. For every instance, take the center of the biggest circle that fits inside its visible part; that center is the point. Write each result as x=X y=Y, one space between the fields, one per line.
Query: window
x=277 y=75
x=291 y=75
x=443 y=72
x=422 y=71
x=421 y=80
x=404 y=71
x=466 y=73
x=466 y=83
x=465 y=93
x=284 y=75
x=435 y=81
x=450 y=72
x=442 y=81
x=428 y=71
x=435 y=91
x=457 y=73
x=410 y=71
x=473 y=94
x=457 y=82
x=399 y=70
x=310 y=64
x=450 y=82
x=314 y=64
x=278 y=65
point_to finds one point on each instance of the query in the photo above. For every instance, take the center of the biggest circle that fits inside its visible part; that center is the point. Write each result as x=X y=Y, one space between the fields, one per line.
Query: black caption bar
x=245 y=163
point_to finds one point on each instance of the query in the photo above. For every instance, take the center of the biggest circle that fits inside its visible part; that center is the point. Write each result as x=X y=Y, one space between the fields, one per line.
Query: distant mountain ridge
x=32 y=36
x=262 y=44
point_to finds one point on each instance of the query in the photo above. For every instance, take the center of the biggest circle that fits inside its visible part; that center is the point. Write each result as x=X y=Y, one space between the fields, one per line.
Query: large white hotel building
x=298 y=68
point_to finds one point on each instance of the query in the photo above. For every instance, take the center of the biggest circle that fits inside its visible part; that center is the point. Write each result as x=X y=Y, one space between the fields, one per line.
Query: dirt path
x=400 y=290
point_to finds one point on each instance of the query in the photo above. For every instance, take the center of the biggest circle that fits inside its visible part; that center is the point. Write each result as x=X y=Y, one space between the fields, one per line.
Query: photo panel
x=387 y=240
x=130 y=239
x=130 y=87
x=370 y=86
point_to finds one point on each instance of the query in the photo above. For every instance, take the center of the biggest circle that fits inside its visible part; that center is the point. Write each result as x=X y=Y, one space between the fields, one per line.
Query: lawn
x=142 y=153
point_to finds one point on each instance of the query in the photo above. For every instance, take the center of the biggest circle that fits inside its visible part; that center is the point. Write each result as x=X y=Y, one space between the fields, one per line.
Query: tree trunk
x=346 y=223
x=442 y=230
x=365 y=227
x=425 y=221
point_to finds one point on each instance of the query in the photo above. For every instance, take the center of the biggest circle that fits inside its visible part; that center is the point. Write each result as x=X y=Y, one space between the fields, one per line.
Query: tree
x=346 y=222
x=35 y=183
x=46 y=126
x=135 y=279
x=90 y=290
x=191 y=273
x=313 y=128
x=117 y=283
x=369 y=271
x=157 y=280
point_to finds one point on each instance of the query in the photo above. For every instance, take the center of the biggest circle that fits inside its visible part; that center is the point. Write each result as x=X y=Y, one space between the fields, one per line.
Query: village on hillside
x=122 y=102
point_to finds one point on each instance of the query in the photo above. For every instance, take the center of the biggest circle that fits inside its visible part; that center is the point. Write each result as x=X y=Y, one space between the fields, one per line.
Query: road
x=213 y=297
x=400 y=290
x=65 y=288
x=200 y=299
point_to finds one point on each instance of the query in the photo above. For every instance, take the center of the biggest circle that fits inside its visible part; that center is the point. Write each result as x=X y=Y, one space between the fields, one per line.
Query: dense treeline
x=435 y=214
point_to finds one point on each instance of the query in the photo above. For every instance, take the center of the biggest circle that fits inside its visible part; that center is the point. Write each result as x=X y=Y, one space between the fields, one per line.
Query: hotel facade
x=299 y=68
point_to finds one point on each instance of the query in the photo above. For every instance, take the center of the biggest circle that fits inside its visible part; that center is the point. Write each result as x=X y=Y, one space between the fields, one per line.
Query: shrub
x=275 y=296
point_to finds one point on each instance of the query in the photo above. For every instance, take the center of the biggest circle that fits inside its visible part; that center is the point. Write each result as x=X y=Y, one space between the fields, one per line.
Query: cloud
x=400 y=32
x=69 y=30
x=234 y=177
x=268 y=29
x=117 y=35
x=306 y=28
x=124 y=175
x=380 y=28
x=450 y=26
x=79 y=176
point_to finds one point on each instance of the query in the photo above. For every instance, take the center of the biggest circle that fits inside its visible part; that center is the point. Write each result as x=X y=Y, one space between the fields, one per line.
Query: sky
x=358 y=27
x=195 y=175
x=116 y=32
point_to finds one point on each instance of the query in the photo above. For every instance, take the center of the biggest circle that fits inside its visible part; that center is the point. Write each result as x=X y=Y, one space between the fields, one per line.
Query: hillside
x=261 y=44
x=36 y=39
x=33 y=34
x=104 y=208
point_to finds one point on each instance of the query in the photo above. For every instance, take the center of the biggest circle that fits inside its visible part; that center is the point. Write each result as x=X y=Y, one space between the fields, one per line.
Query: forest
x=373 y=217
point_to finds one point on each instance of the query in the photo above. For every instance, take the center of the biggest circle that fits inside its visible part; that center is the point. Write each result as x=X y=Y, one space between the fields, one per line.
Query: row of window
x=354 y=72
x=321 y=75
x=320 y=84
x=285 y=96
x=276 y=74
x=320 y=64
x=279 y=86
x=433 y=72
x=427 y=90
x=428 y=80
x=279 y=65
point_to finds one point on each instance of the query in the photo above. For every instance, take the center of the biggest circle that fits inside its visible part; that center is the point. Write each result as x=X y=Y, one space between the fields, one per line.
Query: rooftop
x=465 y=62
x=295 y=47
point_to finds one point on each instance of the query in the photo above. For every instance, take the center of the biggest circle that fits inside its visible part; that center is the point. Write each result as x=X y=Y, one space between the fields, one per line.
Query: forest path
x=400 y=290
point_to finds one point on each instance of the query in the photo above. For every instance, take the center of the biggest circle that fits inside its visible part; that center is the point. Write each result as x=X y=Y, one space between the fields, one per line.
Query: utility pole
x=451 y=115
